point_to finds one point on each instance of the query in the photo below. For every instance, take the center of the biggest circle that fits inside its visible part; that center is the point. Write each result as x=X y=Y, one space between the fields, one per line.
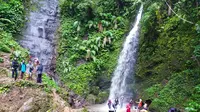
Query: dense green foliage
x=12 y=18
x=11 y=15
x=193 y=104
x=4 y=88
x=49 y=84
x=91 y=37
x=168 y=61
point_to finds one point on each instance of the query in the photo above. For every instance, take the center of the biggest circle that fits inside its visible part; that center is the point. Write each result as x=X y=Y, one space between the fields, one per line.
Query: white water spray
x=123 y=74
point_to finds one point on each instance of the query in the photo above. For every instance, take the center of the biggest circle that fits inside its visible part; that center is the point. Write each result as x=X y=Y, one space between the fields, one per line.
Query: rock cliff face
x=39 y=34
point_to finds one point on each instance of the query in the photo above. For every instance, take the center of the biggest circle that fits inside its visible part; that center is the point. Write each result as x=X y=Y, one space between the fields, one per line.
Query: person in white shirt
x=29 y=69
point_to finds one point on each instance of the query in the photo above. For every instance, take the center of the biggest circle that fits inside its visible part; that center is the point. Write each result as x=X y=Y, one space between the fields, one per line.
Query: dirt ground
x=13 y=100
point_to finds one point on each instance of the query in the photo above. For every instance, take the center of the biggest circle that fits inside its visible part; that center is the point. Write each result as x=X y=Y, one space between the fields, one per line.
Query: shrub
x=49 y=84
x=4 y=88
x=194 y=103
x=1 y=60
x=24 y=83
x=4 y=48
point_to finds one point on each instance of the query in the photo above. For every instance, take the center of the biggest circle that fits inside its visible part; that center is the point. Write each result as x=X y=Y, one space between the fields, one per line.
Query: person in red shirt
x=140 y=104
x=128 y=107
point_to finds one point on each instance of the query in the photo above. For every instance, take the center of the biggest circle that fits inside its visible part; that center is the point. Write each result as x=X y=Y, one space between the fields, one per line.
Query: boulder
x=27 y=106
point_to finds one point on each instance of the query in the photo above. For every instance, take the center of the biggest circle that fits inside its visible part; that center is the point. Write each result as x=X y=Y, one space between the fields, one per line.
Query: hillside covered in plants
x=12 y=20
x=168 y=62
x=92 y=35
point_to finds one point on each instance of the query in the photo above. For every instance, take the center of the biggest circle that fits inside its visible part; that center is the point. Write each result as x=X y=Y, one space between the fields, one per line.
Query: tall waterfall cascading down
x=123 y=74
x=39 y=33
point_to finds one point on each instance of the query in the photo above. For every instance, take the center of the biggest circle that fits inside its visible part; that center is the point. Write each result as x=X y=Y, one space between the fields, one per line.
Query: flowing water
x=39 y=33
x=123 y=74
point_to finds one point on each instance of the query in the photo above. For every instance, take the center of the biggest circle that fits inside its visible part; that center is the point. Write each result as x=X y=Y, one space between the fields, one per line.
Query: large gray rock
x=27 y=106
x=39 y=103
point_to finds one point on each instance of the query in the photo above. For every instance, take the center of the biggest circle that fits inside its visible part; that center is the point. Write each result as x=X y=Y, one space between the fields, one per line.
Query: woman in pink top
x=128 y=107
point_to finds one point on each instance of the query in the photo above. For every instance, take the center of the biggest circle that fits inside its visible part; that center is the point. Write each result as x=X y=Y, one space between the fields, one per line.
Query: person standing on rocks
x=128 y=107
x=121 y=101
x=15 y=66
x=116 y=102
x=29 y=69
x=140 y=104
x=23 y=69
x=39 y=72
x=109 y=104
x=35 y=62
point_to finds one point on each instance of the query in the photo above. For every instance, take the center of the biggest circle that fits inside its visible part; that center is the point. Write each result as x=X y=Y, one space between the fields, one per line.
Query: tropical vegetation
x=12 y=19
x=167 y=72
x=168 y=61
x=91 y=36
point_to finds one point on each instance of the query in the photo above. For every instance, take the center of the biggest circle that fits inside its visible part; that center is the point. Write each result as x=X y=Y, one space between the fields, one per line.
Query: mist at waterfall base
x=39 y=32
x=123 y=74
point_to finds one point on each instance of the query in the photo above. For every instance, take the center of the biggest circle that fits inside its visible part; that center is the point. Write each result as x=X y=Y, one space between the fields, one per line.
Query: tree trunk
x=90 y=13
x=169 y=8
x=197 y=3
x=120 y=4
x=100 y=27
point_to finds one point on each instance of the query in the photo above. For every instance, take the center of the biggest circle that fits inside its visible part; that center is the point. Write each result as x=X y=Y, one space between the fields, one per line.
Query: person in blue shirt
x=39 y=72
x=23 y=69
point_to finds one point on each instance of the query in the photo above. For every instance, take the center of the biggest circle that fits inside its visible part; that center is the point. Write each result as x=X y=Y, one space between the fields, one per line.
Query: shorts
x=30 y=74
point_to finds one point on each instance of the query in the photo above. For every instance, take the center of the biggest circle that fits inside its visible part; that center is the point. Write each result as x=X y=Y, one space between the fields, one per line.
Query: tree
x=169 y=7
x=120 y=4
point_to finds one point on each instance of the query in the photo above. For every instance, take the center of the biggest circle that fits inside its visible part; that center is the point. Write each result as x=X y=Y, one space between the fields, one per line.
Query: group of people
x=29 y=69
x=143 y=107
x=113 y=105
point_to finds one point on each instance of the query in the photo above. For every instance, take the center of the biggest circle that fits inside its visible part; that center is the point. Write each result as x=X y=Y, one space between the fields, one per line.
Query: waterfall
x=39 y=32
x=123 y=74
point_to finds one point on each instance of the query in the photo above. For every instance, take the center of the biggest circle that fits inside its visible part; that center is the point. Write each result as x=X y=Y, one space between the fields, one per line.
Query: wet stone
x=49 y=37
x=40 y=31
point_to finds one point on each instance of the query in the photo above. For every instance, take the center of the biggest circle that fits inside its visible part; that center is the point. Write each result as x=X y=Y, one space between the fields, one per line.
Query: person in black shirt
x=15 y=66
x=39 y=72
